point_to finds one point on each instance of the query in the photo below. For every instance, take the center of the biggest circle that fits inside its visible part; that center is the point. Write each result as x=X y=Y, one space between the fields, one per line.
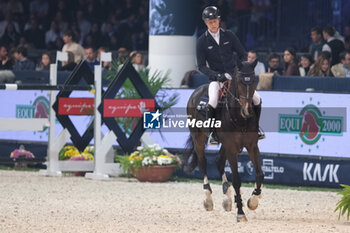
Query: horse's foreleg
x=253 y=201
x=220 y=163
x=236 y=182
x=202 y=162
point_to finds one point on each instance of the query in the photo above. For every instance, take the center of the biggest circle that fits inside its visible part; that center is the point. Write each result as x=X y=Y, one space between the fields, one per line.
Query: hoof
x=208 y=204
x=227 y=204
x=241 y=218
x=253 y=202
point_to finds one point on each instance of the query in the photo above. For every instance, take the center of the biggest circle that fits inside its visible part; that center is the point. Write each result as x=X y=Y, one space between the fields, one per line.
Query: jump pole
x=103 y=144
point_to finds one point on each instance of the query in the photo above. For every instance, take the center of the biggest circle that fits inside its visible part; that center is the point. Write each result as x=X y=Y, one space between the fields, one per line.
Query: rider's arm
x=238 y=47
x=202 y=61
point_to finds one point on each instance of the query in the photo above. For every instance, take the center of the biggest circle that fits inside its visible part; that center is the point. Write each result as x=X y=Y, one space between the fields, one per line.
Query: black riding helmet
x=211 y=12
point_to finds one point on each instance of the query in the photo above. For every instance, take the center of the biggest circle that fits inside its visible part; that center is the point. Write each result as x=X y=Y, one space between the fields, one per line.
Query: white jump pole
x=102 y=145
x=54 y=144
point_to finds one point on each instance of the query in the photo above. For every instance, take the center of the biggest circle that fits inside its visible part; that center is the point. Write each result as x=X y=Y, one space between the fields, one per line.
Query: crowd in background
x=328 y=56
x=85 y=28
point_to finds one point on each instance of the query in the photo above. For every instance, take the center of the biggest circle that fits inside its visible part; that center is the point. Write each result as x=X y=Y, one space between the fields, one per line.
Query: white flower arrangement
x=146 y=156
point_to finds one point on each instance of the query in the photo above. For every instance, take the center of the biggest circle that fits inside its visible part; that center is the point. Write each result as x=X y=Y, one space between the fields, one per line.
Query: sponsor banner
x=282 y=170
x=305 y=124
x=127 y=107
x=35 y=104
x=76 y=106
x=312 y=124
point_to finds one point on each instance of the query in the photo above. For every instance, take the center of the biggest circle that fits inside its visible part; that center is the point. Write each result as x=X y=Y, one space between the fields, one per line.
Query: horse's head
x=245 y=86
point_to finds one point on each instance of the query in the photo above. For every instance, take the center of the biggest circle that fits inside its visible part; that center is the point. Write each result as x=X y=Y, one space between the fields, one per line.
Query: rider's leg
x=257 y=101
x=213 y=92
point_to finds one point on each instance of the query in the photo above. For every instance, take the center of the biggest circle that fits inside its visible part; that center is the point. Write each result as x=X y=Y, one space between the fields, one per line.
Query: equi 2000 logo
x=311 y=124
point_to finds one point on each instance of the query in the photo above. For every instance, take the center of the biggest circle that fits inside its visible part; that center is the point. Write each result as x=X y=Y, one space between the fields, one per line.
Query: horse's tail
x=190 y=159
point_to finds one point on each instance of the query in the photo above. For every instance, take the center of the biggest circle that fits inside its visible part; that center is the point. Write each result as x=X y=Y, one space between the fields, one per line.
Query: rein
x=247 y=81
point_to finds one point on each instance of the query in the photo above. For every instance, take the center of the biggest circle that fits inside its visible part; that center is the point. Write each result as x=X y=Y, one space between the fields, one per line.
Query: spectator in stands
x=274 y=64
x=83 y=24
x=347 y=37
x=317 y=42
x=44 y=63
x=34 y=35
x=342 y=69
x=11 y=37
x=61 y=21
x=22 y=62
x=95 y=35
x=106 y=64
x=75 y=48
x=123 y=55
x=90 y=55
x=321 y=68
x=70 y=64
x=290 y=63
x=260 y=67
x=6 y=63
x=333 y=45
x=305 y=64
x=7 y=21
x=52 y=35
x=137 y=61
x=40 y=8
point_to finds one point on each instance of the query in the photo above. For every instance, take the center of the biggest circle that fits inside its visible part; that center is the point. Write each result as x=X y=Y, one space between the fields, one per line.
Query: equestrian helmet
x=211 y=12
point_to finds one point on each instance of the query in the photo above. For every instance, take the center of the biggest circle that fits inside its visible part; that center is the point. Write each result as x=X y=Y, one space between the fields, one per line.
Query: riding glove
x=220 y=77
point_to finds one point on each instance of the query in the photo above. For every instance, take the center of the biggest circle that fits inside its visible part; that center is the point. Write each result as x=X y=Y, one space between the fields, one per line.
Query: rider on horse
x=215 y=47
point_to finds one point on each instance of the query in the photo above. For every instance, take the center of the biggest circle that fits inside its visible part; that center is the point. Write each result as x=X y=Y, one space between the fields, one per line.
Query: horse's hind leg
x=199 y=146
x=254 y=155
x=236 y=182
x=220 y=163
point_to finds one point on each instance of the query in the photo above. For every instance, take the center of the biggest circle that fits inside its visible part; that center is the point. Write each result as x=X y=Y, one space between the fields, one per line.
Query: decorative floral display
x=146 y=156
x=21 y=153
x=73 y=154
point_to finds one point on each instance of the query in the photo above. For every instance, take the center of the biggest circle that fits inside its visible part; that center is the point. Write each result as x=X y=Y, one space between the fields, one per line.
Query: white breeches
x=213 y=92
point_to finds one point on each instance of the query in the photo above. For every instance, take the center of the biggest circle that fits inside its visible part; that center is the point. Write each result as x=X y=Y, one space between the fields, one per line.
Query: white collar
x=214 y=35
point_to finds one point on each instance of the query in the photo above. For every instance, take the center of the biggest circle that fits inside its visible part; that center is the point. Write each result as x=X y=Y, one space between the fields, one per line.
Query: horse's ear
x=254 y=63
x=239 y=64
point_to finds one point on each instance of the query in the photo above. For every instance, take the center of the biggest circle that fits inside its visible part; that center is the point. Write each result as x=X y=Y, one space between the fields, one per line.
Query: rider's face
x=213 y=25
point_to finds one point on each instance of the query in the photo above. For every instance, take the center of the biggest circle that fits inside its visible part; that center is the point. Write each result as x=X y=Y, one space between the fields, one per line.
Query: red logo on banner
x=76 y=106
x=127 y=107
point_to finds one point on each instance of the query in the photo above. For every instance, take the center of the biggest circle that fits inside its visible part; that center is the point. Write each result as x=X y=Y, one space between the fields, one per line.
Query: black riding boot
x=213 y=138
x=257 y=110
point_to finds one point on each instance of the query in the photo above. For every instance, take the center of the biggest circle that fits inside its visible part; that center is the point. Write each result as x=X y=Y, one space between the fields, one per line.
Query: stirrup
x=213 y=140
x=261 y=134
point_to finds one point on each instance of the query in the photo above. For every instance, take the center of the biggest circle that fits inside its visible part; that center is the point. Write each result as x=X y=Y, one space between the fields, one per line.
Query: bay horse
x=239 y=128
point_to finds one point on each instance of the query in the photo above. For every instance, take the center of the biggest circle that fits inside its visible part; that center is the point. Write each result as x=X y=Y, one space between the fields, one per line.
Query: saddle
x=203 y=101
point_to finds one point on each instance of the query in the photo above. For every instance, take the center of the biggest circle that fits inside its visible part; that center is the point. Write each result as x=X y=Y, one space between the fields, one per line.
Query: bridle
x=247 y=79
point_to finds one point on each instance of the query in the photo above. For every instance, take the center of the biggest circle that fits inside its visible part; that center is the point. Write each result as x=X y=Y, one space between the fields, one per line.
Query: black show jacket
x=218 y=57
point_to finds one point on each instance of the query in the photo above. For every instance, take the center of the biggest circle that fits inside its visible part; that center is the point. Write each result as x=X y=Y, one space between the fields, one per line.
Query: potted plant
x=343 y=205
x=150 y=163
x=21 y=157
x=71 y=153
